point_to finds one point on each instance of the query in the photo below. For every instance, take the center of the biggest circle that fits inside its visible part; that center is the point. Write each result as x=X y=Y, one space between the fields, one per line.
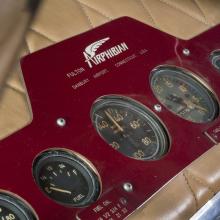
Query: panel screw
x=128 y=187
x=158 y=108
x=61 y=122
x=186 y=52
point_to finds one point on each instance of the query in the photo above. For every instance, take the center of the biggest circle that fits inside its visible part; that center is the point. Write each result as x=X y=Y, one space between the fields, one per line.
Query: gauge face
x=67 y=178
x=129 y=127
x=183 y=94
x=12 y=208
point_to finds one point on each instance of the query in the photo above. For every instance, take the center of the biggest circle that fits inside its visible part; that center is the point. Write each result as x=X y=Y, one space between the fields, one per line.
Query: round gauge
x=67 y=178
x=129 y=127
x=13 y=208
x=215 y=59
x=184 y=94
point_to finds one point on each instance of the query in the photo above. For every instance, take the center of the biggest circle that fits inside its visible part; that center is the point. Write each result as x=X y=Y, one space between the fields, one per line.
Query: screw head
x=128 y=187
x=186 y=52
x=158 y=108
x=61 y=122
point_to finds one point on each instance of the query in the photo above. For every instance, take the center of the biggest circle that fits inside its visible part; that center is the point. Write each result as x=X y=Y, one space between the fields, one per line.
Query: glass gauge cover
x=129 y=127
x=215 y=59
x=67 y=178
x=184 y=94
x=13 y=208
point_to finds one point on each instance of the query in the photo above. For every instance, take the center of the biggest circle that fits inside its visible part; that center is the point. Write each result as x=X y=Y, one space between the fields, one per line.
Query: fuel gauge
x=67 y=177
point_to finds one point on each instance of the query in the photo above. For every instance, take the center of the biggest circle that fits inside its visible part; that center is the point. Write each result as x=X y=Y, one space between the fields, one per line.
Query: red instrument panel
x=117 y=112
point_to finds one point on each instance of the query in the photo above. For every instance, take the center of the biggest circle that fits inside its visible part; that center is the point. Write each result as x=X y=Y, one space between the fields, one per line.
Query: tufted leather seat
x=58 y=20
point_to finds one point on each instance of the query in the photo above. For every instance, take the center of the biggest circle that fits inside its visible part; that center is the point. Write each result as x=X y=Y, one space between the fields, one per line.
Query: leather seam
x=201 y=11
x=85 y=13
x=148 y=12
x=184 y=12
x=197 y=179
x=9 y=84
x=27 y=46
x=15 y=89
x=191 y=190
x=95 y=9
x=42 y=35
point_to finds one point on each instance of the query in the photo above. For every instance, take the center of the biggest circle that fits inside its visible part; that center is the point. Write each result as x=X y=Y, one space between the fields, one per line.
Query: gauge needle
x=60 y=190
x=181 y=109
x=189 y=103
x=112 y=119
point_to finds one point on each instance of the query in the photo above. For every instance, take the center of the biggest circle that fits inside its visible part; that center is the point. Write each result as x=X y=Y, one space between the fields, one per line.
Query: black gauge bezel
x=75 y=160
x=17 y=205
x=194 y=80
x=214 y=58
x=159 y=128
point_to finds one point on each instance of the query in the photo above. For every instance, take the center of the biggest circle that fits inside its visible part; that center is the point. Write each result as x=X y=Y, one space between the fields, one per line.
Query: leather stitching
x=148 y=12
x=96 y=10
x=188 y=14
x=85 y=13
x=197 y=179
x=191 y=190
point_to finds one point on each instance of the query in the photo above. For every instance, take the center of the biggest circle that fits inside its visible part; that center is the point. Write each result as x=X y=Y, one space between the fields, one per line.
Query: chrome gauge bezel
x=192 y=78
x=87 y=170
x=17 y=205
x=136 y=107
x=215 y=59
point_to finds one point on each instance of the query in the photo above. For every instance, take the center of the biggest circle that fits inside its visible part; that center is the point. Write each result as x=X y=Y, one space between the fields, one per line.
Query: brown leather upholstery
x=15 y=17
x=58 y=20
x=187 y=192
x=11 y=35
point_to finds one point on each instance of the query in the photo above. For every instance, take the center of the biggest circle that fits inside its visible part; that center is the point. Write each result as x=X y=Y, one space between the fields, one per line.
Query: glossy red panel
x=61 y=84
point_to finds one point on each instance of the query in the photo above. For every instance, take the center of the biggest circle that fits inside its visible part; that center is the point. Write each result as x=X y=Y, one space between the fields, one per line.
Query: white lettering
x=93 y=59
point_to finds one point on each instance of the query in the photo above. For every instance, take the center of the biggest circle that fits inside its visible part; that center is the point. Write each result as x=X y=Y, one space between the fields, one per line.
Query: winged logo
x=92 y=48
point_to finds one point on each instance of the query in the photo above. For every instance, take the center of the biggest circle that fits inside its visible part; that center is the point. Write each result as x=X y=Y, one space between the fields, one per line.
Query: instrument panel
x=113 y=121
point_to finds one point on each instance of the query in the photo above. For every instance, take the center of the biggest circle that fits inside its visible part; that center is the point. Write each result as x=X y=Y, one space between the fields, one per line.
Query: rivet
x=128 y=187
x=186 y=52
x=61 y=122
x=158 y=108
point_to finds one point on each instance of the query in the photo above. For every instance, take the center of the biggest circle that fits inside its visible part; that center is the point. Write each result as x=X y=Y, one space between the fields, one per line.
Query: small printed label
x=75 y=72
x=114 y=205
x=80 y=76
x=80 y=83
x=213 y=133
x=78 y=198
x=108 y=210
